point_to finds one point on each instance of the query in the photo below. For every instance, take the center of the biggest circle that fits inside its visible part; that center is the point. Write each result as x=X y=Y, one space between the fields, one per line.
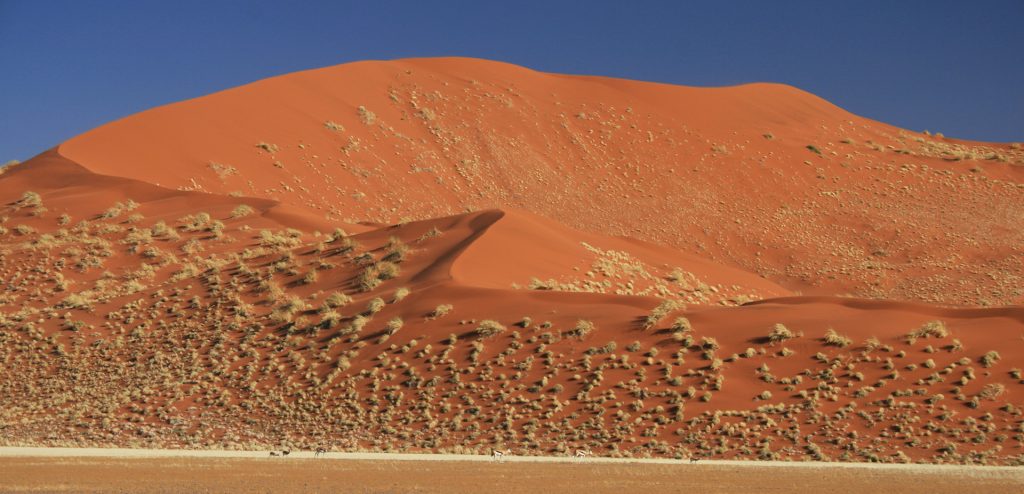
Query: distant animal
x=497 y=454
x=694 y=459
x=580 y=454
x=274 y=453
x=286 y=452
x=320 y=451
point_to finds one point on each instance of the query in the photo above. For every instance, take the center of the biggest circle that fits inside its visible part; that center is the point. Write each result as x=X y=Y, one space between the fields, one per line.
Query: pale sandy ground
x=172 y=471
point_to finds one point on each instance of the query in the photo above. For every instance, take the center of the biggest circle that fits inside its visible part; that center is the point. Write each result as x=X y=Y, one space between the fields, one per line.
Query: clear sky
x=949 y=66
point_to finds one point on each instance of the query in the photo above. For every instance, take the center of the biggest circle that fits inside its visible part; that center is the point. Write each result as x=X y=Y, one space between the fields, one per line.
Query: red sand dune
x=725 y=173
x=631 y=246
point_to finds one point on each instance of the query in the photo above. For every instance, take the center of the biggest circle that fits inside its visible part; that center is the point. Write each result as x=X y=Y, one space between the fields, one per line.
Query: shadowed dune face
x=274 y=266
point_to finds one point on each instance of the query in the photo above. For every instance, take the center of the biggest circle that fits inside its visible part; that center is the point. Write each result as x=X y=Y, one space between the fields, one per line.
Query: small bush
x=989 y=359
x=337 y=299
x=582 y=329
x=30 y=199
x=780 y=333
x=489 y=328
x=836 y=339
x=441 y=311
x=393 y=326
x=401 y=293
x=376 y=305
x=270 y=148
x=242 y=210
x=659 y=312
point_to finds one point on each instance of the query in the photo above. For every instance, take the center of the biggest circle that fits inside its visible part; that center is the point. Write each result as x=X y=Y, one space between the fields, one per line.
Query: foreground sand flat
x=126 y=470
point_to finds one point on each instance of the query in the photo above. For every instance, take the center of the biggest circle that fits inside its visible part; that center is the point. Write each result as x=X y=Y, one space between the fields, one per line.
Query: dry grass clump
x=366 y=116
x=374 y=274
x=489 y=328
x=659 y=313
x=440 y=311
x=932 y=329
x=375 y=305
x=332 y=125
x=989 y=359
x=270 y=148
x=401 y=293
x=780 y=333
x=242 y=210
x=836 y=339
x=30 y=200
x=337 y=299
x=393 y=325
x=118 y=208
x=582 y=329
x=395 y=250
x=991 y=391
x=280 y=240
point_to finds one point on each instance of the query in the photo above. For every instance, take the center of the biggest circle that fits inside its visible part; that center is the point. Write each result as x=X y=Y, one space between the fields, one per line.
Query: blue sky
x=952 y=67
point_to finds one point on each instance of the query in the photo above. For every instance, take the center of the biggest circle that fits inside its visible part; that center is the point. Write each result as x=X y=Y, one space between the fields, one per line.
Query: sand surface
x=119 y=470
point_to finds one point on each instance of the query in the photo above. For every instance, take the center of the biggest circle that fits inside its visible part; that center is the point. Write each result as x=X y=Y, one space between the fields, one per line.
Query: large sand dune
x=451 y=255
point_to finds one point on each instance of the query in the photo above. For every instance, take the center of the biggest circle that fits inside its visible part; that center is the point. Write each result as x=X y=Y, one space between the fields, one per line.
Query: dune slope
x=763 y=177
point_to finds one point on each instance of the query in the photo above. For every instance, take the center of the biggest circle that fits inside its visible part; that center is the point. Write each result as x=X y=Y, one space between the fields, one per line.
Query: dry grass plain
x=300 y=474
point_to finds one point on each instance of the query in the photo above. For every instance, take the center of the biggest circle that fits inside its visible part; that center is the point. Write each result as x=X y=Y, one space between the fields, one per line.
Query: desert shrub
x=387 y=270
x=836 y=339
x=489 y=328
x=659 y=312
x=376 y=305
x=368 y=279
x=329 y=319
x=337 y=235
x=989 y=359
x=401 y=293
x=30 y=200
x=76 y=301
x=395 y=250
x=280 y=240
x=337 y=299
x=192 y=247
x=582 y=329
x=681 y=324
x=332 y=125
x=266 y=146
x=991 y=391
x=441 y=311
x=366 y=116
x=356 y=325
x=393 y=326
x=780 y=333
x=933 y=329
x=242 y=210
x=24 y=230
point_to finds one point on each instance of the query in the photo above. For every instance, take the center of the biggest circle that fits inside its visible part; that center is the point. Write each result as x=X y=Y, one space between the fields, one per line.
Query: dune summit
x=457 y=255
